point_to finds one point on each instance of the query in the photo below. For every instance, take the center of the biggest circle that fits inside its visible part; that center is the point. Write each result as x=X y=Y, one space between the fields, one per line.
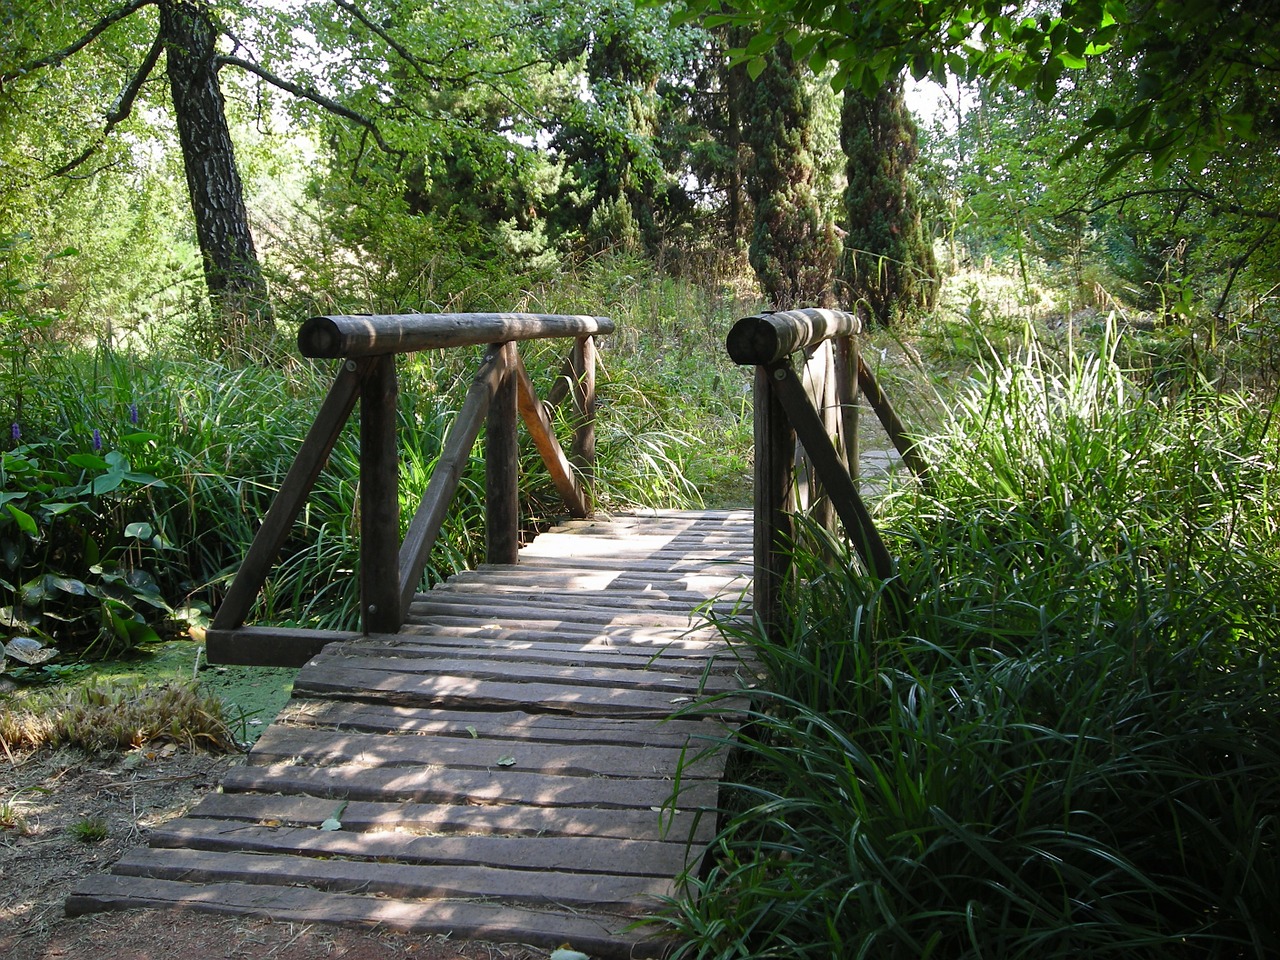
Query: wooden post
x=847 y=398
x=502 y=467
x=430 y=515
x=839 y=485
x=775 y=450
x=543 y=434
x=583 y=450
x=379 y=500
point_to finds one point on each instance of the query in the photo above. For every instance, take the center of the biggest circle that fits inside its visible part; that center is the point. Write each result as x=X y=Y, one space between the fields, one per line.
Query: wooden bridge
x=496 y=757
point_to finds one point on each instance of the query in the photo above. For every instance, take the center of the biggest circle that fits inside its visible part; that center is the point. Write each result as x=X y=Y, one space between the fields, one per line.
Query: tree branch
x=389 y=40
x=121 y=110
x=1239 y=265
x=304 y=93
x=1216 y=206
x=114 y=17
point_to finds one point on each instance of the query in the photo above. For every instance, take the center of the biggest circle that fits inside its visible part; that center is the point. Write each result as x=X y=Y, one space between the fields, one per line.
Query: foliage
x=1064 y=744
x=1203 y=75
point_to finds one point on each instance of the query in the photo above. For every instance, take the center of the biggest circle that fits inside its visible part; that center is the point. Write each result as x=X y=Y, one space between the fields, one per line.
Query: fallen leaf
x=507 y=761
x=472 y=730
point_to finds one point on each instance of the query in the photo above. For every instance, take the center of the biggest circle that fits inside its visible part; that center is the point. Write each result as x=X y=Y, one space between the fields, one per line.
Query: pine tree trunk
x=231 y=267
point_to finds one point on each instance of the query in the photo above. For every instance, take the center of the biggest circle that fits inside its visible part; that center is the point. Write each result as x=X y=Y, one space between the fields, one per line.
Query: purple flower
x=133 y=414
x=15 y=431
x=97 y=441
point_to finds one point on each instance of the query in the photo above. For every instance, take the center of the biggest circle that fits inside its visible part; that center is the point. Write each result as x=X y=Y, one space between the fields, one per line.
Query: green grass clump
x=112 y=717
x=1065 y=743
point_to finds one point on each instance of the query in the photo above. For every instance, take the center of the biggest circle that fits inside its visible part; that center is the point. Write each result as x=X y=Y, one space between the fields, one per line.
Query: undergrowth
x=1065 y=743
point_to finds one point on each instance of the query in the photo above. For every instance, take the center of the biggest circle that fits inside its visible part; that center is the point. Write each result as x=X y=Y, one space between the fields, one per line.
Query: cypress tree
x=793 y=247
x=888 y=263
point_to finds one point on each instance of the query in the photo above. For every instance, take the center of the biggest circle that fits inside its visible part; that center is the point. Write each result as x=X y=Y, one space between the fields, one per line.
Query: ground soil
x=46 y=798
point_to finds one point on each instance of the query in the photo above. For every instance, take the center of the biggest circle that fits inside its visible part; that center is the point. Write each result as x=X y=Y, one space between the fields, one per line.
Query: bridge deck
x=502 y=768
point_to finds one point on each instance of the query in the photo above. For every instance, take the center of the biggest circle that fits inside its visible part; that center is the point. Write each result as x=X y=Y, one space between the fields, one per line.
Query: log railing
x=390 y=571
x=806 y=439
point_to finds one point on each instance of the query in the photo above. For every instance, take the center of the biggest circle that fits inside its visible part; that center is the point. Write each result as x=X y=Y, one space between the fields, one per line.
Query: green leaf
x=87 y=461
x=507 y=761
x=139 y=530
x=56 y=508
x=26 y=522
x=755 y=67
x=64 y=585
x=106 y=483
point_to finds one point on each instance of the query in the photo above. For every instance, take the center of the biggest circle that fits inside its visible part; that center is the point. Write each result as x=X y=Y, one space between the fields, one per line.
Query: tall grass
x=1067 y=744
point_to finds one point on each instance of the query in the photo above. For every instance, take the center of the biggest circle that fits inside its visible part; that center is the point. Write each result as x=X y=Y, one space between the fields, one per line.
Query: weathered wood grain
x=405 y=818
x=606 y=937
x=498 y=785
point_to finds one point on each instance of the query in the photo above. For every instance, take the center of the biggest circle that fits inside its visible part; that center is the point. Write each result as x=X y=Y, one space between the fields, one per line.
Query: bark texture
x=231 y=267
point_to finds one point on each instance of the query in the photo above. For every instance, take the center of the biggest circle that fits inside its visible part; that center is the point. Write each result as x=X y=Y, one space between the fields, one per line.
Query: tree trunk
x=231 y=267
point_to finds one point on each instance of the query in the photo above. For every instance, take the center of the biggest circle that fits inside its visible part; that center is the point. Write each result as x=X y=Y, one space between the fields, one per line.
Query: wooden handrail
x=767 y=337
x=390 y=571
x=820 y=408
x=327 y=337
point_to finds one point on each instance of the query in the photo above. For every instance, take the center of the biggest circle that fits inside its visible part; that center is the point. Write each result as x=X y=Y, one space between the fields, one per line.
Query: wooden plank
x=264 y=646
x=580 y=614
x=543 y=434
x=656 y=643
x=612 y=657
x=605 y=892
x=429 y=517
x=447 y=689
x=709 y=561
x=294 y=489
x=302 y=745
x=510 y=726
x=502 y=467
x=634 y=633
x=708 y=580
x=608 y=938
x=585 y=855
x=380 y=608
x=646 y=677
x=508 y=820
x=579 y=605
x=500 y=786
x=691 y=590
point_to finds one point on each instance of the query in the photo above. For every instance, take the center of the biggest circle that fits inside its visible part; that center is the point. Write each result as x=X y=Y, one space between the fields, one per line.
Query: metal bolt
x=351 y=366
x=780 y=373
x=372 y=608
